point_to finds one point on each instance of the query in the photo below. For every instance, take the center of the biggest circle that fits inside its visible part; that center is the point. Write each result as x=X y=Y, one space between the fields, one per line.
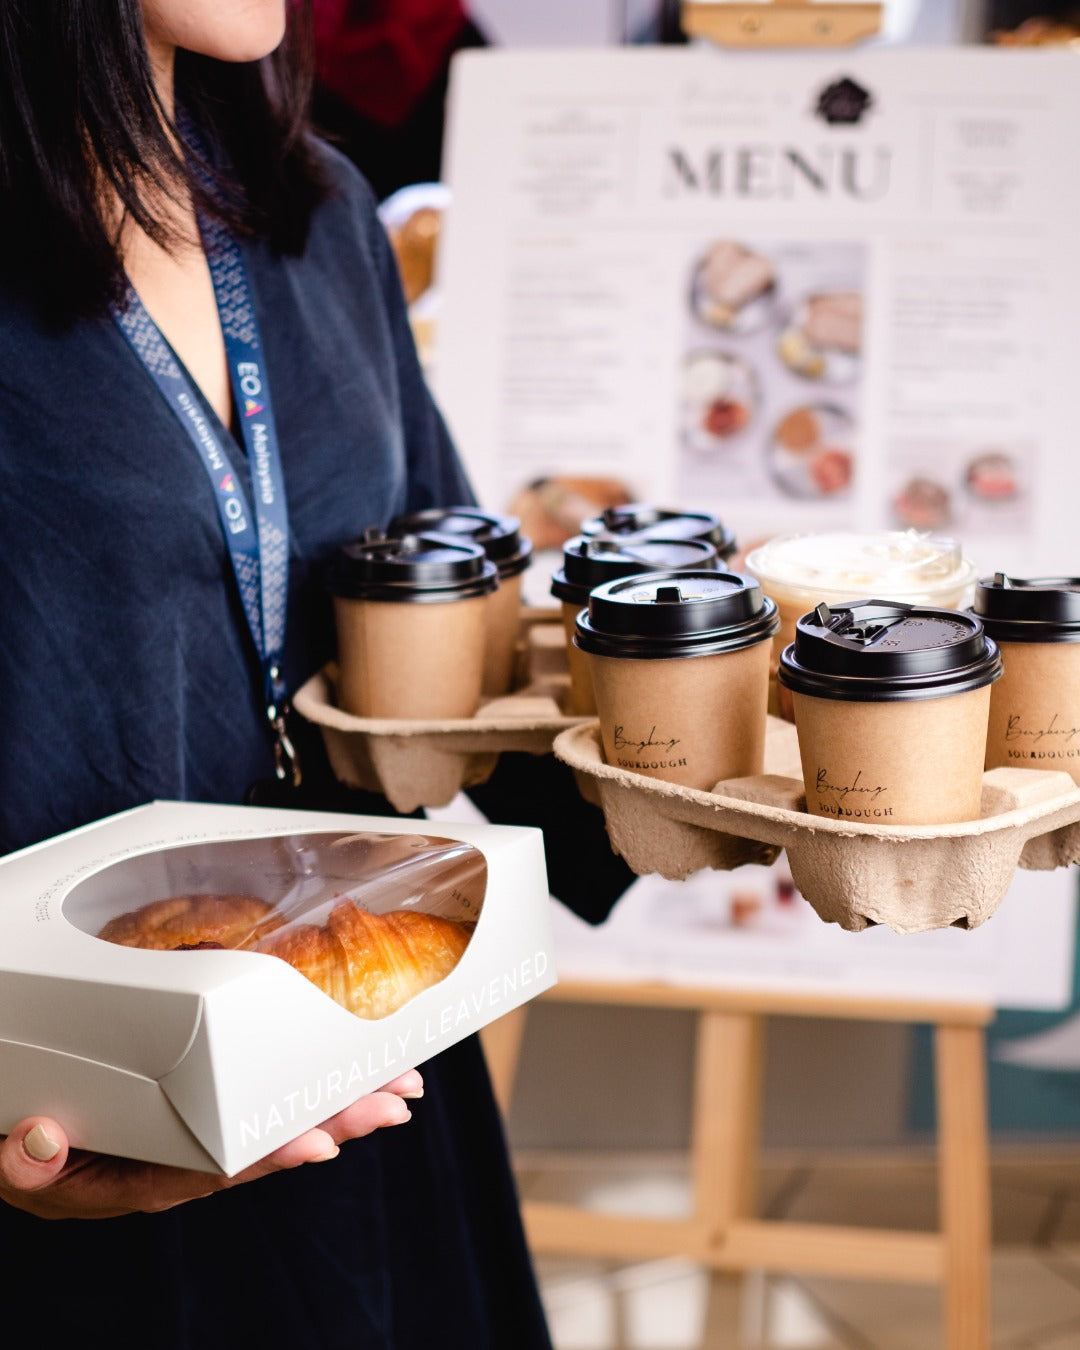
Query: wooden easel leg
x=734 y=1311
x=964 y=1184
x=725 y=1146
x=727 y=1117
x=501 y=1040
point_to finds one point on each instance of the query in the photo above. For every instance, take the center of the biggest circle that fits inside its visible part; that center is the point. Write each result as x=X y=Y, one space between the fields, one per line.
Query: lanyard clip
x=286 y=760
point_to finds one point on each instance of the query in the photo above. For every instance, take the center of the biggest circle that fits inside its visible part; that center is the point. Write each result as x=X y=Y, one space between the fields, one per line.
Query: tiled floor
x=674 y=1305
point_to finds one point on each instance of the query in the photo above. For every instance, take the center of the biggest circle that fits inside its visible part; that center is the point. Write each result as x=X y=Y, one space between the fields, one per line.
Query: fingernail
x=412 y=1096
x=326 y=1157
x=38 y=1144
x=407 y=1114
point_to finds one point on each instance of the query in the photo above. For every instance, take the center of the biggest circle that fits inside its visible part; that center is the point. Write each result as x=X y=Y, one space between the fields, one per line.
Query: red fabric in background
x=381 y=55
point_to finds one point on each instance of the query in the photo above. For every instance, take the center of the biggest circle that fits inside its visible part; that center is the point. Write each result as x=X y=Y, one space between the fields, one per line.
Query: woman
x=168 y=224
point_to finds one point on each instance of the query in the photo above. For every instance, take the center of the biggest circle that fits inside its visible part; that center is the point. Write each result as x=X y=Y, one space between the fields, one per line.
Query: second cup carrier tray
x=911 y=878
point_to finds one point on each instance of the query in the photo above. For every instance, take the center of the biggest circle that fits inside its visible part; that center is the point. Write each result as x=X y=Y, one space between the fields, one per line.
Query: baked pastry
x=551 y=510
x=1036 y=32
x=414 y=242
x=372 y=964
x=180 y=921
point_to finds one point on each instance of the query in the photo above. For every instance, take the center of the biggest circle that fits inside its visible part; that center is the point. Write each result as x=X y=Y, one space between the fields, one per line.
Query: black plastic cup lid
x=661 y=615
x=882 y=651
x=590 y=562
x=499 y=536
x=640 y=520
x=1036 y=609
x=411 y=567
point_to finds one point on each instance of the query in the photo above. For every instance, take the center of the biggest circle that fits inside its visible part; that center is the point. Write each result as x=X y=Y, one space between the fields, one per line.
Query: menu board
x=803 y=291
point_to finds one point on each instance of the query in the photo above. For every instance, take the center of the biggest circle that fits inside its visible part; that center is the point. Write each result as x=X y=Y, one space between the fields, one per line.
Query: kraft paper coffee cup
x=1035 y=706
x=589 y=562
x=680 y=669
x=891 y=709
x=801 y=570
x=411 y=615
x=504 y=545
x=640 y=520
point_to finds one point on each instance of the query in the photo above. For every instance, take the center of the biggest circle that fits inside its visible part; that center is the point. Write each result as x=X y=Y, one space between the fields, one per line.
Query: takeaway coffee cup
x=891 y=707
x=504 y=545
x=1035 y=706
x=680 y=667
x=590 y=562
x=411 y=617
x=640 y=521
x=800 y=570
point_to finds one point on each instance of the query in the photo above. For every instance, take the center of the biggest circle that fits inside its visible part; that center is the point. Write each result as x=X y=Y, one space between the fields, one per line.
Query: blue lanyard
x=258 y=538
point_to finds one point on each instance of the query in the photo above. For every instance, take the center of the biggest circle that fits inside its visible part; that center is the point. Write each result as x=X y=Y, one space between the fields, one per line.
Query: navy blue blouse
x=127 y=674
x=126 y=670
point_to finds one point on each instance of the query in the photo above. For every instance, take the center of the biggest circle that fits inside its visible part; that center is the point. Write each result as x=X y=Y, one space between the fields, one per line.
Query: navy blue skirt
x=408 y=1240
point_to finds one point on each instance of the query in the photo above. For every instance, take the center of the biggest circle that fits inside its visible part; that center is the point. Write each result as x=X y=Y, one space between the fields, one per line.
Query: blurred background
x=602 y=1105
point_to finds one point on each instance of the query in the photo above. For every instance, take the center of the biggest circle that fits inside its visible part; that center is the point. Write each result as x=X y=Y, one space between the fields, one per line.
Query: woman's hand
x=39 y=1173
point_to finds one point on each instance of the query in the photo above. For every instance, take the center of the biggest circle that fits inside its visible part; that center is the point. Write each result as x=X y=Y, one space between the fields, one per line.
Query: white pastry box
x=211 y=1057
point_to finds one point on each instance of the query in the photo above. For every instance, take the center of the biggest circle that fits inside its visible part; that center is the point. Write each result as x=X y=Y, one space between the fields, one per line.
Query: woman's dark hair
x=80 y=118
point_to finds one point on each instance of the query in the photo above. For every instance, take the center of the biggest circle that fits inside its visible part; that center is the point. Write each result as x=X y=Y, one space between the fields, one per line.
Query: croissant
x=372 y=964
x=192 y=921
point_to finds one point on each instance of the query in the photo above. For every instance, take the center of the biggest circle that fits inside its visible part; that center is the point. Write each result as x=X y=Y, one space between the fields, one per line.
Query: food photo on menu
x=733 y=287
x=721 y=397
x=771 y=370
x=823 y=337
x=981 y=490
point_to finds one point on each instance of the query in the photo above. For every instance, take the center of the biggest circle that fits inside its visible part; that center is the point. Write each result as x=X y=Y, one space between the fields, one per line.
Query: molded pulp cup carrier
x=589 y=562
x=891 y=706
x=504 y=545
x=643 y=521
x=679 y=664
x=1035 y=707
x=411 y=620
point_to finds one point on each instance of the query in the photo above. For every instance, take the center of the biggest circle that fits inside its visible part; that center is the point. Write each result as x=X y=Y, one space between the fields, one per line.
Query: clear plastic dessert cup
x=799 y=571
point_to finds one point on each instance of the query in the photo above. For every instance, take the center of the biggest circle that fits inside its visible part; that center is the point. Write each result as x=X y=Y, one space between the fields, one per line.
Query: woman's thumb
x=33 y=1154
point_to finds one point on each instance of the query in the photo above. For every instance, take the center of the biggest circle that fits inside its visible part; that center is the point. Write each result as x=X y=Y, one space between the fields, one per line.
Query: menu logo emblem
x=843 y=102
